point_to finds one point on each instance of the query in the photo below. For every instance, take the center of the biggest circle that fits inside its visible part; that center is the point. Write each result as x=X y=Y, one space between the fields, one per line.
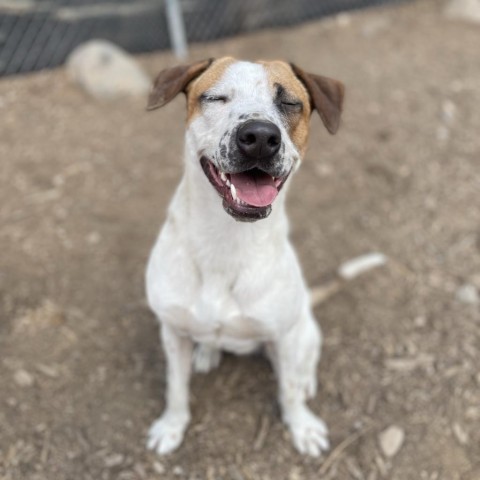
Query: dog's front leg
x=296 y=357
x=166 y=433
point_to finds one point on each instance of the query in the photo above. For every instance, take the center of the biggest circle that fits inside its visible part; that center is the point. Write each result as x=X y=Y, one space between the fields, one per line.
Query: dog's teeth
x=228 y=182
x=223 y=176
x=233 y=190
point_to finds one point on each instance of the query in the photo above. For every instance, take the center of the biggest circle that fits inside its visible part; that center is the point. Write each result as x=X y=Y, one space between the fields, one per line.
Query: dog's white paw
x=205 y=358
x=310 y=434
x=166 y=433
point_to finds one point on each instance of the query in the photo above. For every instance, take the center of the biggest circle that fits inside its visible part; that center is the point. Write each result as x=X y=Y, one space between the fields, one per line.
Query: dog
x=223 y=275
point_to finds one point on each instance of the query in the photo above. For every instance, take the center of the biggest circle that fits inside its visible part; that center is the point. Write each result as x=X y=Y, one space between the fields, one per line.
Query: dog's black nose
x=258 y=139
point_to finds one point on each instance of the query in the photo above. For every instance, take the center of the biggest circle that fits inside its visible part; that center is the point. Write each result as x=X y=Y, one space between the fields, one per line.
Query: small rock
x=420 y=321
x=391 y=440
x=468 y=294
x=113 y=460
x=472 y=413
x=93 y=238
x=323 y=170
x=105 y=71
x=460 y=434
x=468 y=10
x=295 y=474
x=40 y=428
x=158 y=468
x=449 y=112
x=58 y=180
x=23 y=378
x=343 y=20
x=177 y=470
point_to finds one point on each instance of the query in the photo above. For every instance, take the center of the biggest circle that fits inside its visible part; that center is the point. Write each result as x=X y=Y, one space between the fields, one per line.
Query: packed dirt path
x=84 y=188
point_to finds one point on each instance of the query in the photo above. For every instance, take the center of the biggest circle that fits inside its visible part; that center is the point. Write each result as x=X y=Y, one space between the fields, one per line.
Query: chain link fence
x=37 y=34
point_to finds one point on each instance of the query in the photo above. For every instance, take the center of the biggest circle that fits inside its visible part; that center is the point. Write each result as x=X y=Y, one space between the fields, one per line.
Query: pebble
x=23 y=378
x=295 y=474
x=472 y=413
x=177 y=470
x=113 y=460
x=468 y=294
x=158 y=468
x=449 y=110
x=343 y=20
x=391 y=440
x=93 y=238
x=420 y=321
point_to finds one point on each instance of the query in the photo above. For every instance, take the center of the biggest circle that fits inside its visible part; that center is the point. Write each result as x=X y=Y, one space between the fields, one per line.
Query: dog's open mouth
x=248 y=195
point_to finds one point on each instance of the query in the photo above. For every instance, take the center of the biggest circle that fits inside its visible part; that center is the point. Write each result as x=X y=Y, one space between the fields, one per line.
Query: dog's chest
x=230 y=286
x=219 y=318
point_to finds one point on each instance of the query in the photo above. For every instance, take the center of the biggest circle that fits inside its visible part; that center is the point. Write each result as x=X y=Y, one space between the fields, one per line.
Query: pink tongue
x=258 y=190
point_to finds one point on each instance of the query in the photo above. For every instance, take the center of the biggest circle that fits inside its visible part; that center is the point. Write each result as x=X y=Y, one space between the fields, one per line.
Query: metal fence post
x=176 y=28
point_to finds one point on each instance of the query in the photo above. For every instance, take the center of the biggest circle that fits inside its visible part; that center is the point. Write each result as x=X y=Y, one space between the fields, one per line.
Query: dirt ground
x=84 y=188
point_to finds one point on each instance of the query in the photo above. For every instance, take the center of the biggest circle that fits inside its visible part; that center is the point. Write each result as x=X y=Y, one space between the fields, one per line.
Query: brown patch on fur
x=298 y=124
x=204 y=82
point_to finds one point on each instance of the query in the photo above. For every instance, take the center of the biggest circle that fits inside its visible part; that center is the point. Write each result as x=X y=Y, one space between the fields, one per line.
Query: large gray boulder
x=105 y=71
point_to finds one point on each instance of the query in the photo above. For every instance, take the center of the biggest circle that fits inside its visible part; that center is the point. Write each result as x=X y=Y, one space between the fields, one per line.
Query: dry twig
x=340 y=448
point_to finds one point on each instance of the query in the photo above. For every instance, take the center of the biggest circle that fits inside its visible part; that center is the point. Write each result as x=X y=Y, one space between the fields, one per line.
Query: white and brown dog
x=223 y=274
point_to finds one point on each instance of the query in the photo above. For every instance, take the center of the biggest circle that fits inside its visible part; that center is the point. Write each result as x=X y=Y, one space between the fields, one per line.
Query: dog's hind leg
x=297 y=354
x=166 y=433
x=205 y=358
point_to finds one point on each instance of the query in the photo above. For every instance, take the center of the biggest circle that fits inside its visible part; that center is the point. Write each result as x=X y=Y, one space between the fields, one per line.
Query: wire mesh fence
x=37 y=34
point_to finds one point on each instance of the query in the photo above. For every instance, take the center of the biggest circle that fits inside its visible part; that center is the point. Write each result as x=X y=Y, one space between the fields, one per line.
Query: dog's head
x=248 y=123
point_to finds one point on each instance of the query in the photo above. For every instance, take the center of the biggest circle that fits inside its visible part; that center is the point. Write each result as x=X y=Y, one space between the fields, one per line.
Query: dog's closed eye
x=291 y=106
x=210 y=98
x=285 y=102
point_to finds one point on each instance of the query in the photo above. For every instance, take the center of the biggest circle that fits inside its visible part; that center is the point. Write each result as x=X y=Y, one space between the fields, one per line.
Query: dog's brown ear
x=171 y=81
x=326 y=95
